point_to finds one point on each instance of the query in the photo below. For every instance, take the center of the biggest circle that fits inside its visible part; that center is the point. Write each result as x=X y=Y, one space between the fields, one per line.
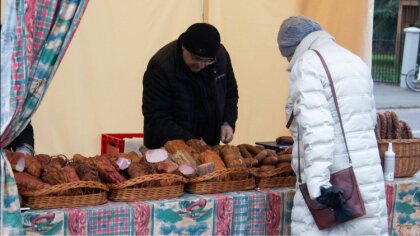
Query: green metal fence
x=386 y=63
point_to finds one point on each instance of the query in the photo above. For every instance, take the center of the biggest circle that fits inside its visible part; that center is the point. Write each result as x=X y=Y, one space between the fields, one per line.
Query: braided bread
x=395 y=126
x=383 y=125
x=402 y=125
x=389 y=128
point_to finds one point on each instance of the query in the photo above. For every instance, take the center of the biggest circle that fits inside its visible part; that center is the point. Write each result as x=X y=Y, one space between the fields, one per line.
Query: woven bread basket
x=93 y=193
x=277 y=177
x=211 y=183
x=129 y=190
x=274 y=182
x=407 y=155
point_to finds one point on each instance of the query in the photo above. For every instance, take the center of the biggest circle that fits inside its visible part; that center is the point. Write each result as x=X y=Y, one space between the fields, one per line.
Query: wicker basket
x=207 y=183
x=273 y=182
x=128 y=191
x=407 y=155
x=278 y=177
x=94 y=193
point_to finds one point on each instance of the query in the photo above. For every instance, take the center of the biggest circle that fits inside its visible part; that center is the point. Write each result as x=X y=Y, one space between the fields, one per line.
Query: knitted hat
x=292 y=31
x=202 y=39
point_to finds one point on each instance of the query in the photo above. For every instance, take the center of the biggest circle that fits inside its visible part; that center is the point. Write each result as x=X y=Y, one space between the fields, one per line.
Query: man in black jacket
x=190 y=90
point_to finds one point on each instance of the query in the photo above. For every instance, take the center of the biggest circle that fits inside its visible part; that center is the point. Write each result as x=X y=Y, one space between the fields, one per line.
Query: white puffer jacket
x=322 y=147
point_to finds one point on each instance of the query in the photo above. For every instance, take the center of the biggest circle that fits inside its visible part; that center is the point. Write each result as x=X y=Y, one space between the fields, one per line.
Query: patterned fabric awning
x=34 y=39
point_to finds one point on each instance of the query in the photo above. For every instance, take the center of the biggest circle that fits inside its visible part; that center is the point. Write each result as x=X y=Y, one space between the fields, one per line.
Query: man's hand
x=226 y=133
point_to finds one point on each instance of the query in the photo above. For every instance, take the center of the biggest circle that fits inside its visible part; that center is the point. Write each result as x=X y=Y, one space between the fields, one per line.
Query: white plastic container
x=389 y=165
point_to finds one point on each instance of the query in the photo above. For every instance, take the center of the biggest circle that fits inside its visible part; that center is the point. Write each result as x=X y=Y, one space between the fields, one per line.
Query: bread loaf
x=251 y=162
x=32 y=165
x=198 y=145
x=284 y=140
x=209 y=156
x=252 y=149
x=177 y=145
x=44 y=159
x=106 y=170
x=53 y=175
x=71 y=176
x=206 y=168
x=87 y=171
x=29 y=182
x=166 y=166
x=284 y=158
x=183 y=157
x=245 y=153
x=137 y=169
x=231 y=157
x=261 y=155
x=141 y=169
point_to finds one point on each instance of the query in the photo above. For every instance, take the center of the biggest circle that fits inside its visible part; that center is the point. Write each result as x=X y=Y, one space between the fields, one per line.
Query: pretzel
x=389 y=128
x=395 y=125
x=383 y=125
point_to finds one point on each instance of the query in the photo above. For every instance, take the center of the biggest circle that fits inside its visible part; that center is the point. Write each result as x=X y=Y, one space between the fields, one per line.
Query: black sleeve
x=159 y=124
x=27 y=136
x=232 y=97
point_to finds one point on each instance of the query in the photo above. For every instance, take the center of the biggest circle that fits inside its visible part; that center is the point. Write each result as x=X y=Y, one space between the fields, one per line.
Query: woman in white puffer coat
x=322 y=147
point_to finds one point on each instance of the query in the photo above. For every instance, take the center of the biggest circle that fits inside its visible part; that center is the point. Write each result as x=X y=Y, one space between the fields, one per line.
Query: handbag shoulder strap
x=336 y=107
x=335 y=100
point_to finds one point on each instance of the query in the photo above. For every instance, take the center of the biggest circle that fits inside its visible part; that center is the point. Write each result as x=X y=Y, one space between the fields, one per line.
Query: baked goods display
x=275 y=169
x=46 y=181
x=227 y=167
x=389 y=126
x=151 y=174
x=390 y=129
x=204 y=159
x=131 y=176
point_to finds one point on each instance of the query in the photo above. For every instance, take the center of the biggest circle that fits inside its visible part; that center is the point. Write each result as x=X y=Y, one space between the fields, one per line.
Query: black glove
x=332 y=197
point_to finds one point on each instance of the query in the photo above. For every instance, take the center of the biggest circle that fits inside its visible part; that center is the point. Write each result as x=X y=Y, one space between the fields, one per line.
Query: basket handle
x=63 y=187
x=221 y=172
x=147 y=178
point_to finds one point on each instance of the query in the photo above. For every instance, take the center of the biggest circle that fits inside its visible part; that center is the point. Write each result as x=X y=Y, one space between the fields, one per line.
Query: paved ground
x=389 y=96
x=404 y=102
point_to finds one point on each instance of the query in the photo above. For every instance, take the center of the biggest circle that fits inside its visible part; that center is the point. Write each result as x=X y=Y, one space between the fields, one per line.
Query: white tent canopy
x=98 y=87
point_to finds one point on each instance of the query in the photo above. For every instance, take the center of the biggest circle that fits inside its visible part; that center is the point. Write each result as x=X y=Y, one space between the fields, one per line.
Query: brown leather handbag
x=344 y=179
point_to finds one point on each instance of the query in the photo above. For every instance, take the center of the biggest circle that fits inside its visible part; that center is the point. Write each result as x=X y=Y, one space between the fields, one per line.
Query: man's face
x=194 y=62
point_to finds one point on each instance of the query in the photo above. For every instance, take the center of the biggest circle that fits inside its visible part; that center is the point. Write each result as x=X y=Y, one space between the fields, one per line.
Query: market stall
x=224 y=189
x=215 y=205
x=256 y=212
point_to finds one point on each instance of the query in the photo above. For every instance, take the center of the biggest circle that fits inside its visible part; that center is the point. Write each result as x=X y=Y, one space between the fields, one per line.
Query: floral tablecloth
x=263 y=212
x=403 y=202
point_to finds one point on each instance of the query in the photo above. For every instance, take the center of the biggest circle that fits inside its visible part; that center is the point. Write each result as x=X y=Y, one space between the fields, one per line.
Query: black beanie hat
x=202 y=39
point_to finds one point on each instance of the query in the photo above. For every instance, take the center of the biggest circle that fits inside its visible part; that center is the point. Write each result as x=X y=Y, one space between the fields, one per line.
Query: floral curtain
x=34 y=39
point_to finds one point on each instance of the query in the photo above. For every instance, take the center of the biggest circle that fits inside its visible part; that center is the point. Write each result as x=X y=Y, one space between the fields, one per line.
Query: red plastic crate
x=114 y=143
